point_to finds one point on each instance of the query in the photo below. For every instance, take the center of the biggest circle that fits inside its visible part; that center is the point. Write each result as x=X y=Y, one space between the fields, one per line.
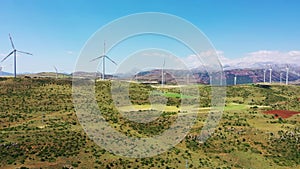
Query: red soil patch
x=282 y=113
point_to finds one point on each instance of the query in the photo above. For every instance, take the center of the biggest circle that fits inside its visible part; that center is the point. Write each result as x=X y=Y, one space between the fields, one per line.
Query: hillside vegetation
x=39 y=127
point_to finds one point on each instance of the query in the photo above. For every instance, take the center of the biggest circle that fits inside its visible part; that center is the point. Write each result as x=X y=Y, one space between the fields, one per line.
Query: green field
x=176 y=95
x=39 y=127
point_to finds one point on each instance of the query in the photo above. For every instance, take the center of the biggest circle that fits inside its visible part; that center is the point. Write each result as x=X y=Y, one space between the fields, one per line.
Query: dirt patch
x=282 y=113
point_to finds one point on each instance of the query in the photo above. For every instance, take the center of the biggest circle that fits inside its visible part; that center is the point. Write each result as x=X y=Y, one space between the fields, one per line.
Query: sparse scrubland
x=39 y=127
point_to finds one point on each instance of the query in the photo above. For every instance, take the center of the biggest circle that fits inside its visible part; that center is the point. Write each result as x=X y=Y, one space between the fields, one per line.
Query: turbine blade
x=97 y=58
x=7 y=56
x=24 y=52
x=11 y=41
x=55 y=69
x=111 y=60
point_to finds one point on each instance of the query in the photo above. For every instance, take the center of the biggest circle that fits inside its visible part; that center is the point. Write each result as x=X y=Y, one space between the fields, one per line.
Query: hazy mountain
x=246 y=75
x=5 y=73
x=263 y=59
x=255 y=60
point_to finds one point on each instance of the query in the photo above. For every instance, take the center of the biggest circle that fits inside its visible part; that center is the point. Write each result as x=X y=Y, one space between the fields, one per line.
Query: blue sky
x=55 y=31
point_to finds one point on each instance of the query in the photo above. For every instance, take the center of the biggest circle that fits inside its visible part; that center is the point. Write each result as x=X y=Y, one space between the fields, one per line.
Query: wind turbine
x=103 y=61
x=270 y=74
x=234 y=80
x=187 y=78
x=162 y=73
x=221 y=80
x=280 y=77
x=1 y=67
x=15 y=55
x=287 y=75
x=137 y=76
x=56 y=71
x=265 y=75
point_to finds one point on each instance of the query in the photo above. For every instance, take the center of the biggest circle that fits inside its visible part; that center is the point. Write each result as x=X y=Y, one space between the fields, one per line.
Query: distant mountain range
x=260 y=65
x=246 y=75
x=255 y=60
x=247 y=70
x=40 y=74
x=250 y=69
x=262 y=59
x=5 y=74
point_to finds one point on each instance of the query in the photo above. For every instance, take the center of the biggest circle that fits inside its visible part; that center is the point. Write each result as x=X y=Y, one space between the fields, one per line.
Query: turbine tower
x=56 y=71
x=265 y=75
x=287 y=75
x=187 y=79
x=15 y=55
x=280 y=77
x=234 y=81
x=1 y=67
x=162 y=73
x=103 y=61
x=270 y=74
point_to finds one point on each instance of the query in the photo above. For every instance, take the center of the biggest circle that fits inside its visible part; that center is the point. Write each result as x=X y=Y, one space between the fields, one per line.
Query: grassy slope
x=39 y=128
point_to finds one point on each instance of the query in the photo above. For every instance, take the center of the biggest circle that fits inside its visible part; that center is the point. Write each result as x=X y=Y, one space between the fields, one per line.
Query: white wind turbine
x=265 y=70
x=56 y=71
x=235 y=78
x=287 y=75
x=162 y=73
x=1 y=67
x=15 y=55
x=280 y=77
x=103 y=61
x=187 y=79
x=270 y=74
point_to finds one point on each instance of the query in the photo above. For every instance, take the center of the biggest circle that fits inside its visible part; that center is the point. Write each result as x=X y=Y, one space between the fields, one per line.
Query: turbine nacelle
x=103 y=62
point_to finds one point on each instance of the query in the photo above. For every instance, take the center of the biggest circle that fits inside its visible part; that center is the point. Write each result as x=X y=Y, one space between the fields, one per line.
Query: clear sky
x=56 y=30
